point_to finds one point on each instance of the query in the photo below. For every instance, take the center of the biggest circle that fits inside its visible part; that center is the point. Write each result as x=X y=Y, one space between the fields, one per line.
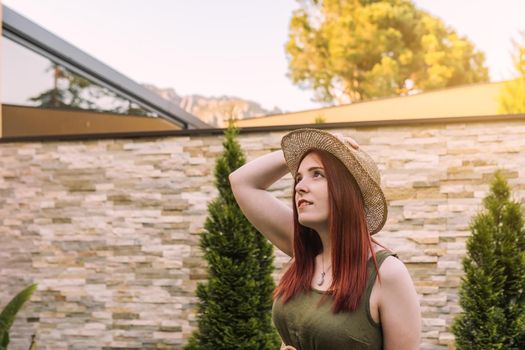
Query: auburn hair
x=349 y=237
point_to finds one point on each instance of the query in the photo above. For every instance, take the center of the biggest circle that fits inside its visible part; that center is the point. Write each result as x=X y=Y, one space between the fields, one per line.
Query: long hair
x=349 y=237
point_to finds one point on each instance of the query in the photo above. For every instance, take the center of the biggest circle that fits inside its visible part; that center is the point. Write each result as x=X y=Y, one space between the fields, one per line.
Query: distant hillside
x=214 y=110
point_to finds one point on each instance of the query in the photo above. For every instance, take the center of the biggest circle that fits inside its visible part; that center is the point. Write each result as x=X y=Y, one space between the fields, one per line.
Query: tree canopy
x=512 y=96
x=354 y=50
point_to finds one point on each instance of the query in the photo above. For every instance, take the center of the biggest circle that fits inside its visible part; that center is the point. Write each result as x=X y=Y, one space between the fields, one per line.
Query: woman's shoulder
x=394 y=273
x=392 y=264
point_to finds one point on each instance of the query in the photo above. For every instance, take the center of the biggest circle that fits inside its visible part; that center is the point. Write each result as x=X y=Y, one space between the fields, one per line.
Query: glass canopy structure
x=43 y=76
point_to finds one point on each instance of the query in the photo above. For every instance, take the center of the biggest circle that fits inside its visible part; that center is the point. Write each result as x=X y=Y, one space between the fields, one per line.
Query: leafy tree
x=7 y=317
x=71 y=90
x=492 y=293
x=235 y=304
x=66 y=90
x=54 y=97
x=512 y=96
x=348 y=51
x=319 y=119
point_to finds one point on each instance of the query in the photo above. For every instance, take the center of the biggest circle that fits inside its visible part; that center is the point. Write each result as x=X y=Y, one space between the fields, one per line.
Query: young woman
x=329 y=297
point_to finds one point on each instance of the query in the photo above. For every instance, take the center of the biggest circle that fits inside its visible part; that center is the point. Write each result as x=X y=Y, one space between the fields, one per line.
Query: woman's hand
x=348 y=139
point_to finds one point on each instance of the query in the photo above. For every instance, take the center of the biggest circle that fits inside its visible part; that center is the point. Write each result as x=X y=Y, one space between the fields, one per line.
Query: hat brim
x=360 y=165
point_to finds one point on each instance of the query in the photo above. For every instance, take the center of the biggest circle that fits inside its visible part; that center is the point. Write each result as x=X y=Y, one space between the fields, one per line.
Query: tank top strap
x=381 y=255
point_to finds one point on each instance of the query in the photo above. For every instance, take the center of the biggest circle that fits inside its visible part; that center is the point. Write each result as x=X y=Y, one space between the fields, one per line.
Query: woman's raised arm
x=268 y=214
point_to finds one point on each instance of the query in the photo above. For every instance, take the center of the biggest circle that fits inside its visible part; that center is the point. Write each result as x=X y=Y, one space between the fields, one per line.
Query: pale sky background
x=235 y=47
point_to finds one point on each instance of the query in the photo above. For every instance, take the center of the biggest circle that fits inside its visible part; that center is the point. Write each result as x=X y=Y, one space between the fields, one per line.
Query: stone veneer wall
x=109 y=229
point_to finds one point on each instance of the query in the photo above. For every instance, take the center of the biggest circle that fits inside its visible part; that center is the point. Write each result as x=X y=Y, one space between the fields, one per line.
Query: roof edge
x=259 y=129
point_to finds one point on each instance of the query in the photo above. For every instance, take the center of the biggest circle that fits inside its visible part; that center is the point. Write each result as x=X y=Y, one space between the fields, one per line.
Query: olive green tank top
x=304 y=326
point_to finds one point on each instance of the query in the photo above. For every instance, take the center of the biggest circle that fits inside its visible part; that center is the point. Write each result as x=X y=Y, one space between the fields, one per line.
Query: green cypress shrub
x=234 y=309
x=492 y=293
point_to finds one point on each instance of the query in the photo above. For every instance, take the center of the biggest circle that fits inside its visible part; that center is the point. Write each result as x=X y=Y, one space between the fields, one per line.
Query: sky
x=236 y=47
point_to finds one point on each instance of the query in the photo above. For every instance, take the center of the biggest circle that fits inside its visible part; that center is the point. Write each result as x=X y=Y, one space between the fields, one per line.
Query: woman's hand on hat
x=348 y=139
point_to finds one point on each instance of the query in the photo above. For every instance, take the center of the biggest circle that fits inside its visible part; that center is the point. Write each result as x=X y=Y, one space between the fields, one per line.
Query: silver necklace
x=321 y=281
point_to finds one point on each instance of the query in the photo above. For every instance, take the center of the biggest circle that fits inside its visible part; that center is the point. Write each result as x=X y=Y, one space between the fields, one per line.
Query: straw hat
x=360 y=165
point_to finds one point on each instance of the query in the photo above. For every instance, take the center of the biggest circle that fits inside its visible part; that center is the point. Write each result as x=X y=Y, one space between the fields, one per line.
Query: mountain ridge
x=212 y=109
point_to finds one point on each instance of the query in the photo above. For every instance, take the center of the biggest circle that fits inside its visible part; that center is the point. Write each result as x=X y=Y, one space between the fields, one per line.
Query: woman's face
x=313 y=187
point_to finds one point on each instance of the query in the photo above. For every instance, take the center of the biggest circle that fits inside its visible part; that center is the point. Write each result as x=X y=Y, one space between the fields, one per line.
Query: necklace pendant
x=321 y=281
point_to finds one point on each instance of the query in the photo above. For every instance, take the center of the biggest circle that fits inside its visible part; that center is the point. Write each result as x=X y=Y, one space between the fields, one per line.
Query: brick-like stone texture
x=109 y=229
